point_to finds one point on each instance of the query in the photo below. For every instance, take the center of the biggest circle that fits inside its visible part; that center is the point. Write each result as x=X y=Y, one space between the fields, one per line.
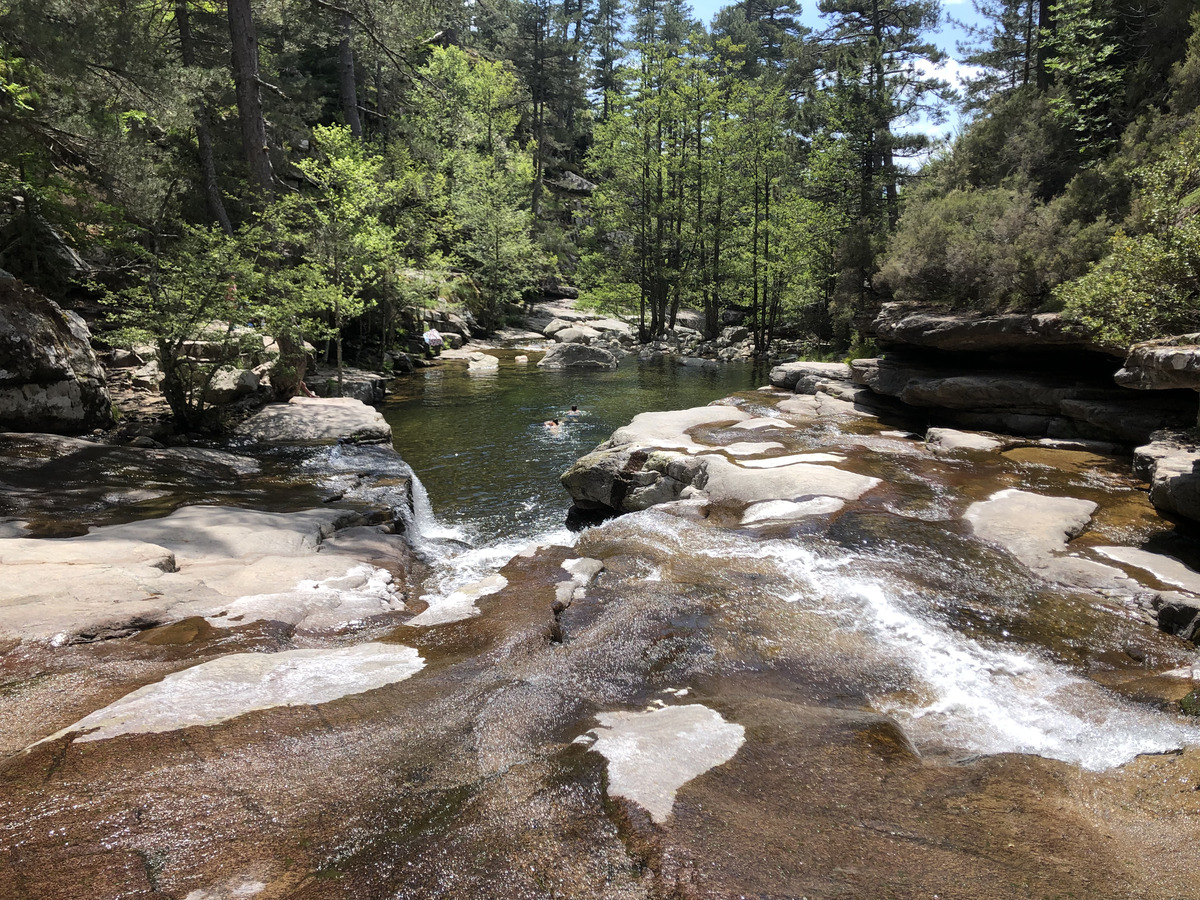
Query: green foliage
x=983 y=248
x=1149 y=284
x=202 y=290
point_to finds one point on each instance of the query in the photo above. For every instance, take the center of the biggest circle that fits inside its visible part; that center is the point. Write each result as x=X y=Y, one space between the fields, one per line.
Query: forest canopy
x=314 y=167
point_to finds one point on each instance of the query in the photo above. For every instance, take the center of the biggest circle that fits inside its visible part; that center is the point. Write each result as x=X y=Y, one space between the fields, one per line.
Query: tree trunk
x=346 y=82
x=208 y=168
x=244 y=59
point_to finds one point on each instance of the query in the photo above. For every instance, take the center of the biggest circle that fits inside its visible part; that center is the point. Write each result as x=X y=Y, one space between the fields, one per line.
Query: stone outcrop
x=1173 y=470
x=901 y=324
x=578 y=356
x=1163 y=365
x=357 y=384
x=50 y=380
x=811 y=377
x=1028 y=403
x=304 y=420
x=231 y=566
x=709 y=454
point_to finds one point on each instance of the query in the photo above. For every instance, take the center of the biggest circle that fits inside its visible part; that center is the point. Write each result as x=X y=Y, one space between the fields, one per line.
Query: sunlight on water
x=970 y=696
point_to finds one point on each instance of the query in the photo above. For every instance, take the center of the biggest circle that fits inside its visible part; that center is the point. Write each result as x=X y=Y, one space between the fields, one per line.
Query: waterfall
x=424 y=531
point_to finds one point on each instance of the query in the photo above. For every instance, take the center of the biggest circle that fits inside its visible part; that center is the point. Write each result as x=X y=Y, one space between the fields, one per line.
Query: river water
x=891 y=603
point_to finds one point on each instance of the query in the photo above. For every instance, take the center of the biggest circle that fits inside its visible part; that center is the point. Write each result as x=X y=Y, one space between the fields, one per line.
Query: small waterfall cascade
x=425 y=532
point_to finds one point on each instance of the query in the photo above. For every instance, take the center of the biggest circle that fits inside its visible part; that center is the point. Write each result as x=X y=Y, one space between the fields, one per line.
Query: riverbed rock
x=576 y=334
x=312 y=420
x=948 y=440
x=810 y=377
x=1036 y=528
x=240 y=683
x=1173 y=469
x=651 y=754
x=482 y=362
x=661 y=458
x=1164 y=364
x=577 y=356
x=50 y=379
x=232 y=566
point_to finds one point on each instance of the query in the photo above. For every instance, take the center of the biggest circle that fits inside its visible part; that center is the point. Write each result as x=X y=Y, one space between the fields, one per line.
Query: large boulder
x=228 y=384
x=578 y=356
x=50 y=380
x=1173 y=470
x=576 y=334
x=810 y=377
x=305 y=420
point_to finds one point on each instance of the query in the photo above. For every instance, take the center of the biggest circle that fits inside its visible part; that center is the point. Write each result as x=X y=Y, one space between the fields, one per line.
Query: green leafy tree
x=1149 y=284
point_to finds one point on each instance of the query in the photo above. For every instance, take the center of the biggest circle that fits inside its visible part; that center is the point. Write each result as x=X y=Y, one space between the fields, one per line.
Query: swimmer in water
x=551 y=423
x=574 y=411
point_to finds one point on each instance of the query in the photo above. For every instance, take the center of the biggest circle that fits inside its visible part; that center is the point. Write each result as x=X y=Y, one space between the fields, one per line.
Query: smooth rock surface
x=237 y=684
x=652 y=754
x=577 y=356
x=314 y=420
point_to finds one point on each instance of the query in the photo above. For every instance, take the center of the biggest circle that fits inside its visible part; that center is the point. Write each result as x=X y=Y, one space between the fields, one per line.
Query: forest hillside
x=313 y=167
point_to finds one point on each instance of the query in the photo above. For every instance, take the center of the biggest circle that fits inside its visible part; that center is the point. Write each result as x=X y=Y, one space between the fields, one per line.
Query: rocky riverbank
x=726 y=692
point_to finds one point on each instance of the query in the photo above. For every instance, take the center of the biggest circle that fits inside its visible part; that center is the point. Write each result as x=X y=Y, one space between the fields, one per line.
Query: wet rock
x=947 y=440
x=231 y=566
x=458 y=604
x=310 y=420
x=727 y=481
x=577 y=356
x=655 y=459
x=50 y=380
x=482 y=362
x=239 y=683
x=1036 y=529
x=810 y=377
x=772 y=512
x=1172 y=469
x=652 y=754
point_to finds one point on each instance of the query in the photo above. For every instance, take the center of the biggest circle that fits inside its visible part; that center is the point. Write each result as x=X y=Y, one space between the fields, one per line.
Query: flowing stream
x=956 y=642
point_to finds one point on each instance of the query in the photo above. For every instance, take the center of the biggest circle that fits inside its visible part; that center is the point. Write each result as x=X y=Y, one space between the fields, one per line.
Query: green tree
x=1149 y=284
